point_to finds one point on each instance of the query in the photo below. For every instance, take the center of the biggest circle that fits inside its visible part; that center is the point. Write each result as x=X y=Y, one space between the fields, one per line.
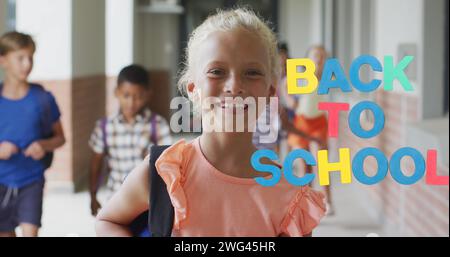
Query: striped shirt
x=127 y=144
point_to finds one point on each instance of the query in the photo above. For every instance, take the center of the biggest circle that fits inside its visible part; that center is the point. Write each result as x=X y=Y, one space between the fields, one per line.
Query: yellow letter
x=308 y=75
x=325 y=167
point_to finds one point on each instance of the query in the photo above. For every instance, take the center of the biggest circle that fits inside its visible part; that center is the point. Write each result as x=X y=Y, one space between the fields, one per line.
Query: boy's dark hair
x=13 y=40
x=283 y=46
x=135 y=74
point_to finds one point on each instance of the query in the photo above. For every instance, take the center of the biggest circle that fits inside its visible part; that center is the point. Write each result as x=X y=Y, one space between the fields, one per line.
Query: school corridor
x=83 y=44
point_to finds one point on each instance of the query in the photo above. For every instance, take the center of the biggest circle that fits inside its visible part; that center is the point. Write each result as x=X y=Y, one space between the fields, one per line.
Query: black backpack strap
x=46 y=123
x=161 y=214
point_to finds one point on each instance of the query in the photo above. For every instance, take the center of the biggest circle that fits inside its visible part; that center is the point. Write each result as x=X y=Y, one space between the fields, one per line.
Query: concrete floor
x=350 y=220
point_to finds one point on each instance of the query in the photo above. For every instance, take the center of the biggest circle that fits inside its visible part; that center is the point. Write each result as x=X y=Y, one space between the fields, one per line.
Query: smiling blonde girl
x=210 y=180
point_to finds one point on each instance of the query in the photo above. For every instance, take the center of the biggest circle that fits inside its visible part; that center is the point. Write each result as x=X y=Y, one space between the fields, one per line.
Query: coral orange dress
x=208 y=202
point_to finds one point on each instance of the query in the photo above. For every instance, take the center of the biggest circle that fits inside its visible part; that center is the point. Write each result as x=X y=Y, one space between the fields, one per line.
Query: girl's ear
x=116 y=91
x=190 y=88
x=193 y=94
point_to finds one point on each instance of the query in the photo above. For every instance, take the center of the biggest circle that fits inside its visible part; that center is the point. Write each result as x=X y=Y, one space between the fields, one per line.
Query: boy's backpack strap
x=154 y=132
x=46 y=120
x=161 y=214
x=105 y=165
x=103 y=122
x=44 y=101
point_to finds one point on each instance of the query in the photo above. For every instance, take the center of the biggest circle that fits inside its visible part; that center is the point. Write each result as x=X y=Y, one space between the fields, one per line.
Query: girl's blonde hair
x=226 y=21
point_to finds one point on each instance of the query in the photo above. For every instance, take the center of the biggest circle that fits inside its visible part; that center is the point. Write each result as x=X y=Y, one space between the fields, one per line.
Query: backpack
x=45 y=122
x=159 y=220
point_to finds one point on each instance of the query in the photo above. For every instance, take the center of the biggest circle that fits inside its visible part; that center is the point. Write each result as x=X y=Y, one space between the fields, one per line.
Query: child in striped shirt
x=124 y=138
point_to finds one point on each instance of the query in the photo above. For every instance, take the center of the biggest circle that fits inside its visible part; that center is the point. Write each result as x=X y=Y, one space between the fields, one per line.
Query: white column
x=69 y=36
x=49 y=22
x=119 y=35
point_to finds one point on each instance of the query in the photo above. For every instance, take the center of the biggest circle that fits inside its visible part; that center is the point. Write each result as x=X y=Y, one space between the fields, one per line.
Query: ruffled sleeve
x=170 y=166
x=304 y=213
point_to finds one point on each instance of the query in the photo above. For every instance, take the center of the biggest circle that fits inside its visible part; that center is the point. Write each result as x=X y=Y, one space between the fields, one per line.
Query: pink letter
x=333 y=115
x=431 y=177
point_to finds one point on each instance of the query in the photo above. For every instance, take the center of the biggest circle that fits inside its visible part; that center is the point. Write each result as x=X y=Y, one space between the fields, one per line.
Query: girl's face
x=232 y=64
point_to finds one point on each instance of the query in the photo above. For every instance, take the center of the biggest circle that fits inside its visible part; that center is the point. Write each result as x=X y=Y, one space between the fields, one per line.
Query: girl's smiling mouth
x=234 y=106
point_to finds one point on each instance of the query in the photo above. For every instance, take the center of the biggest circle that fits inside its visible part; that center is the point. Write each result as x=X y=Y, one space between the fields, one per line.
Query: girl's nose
x=234 y=86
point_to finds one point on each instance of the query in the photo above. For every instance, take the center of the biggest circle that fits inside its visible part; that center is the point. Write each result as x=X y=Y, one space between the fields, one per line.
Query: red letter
x=333 y=115
x=432 y=178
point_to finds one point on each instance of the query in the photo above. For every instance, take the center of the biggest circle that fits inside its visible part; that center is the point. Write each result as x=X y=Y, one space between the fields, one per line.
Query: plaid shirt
x=127 y=144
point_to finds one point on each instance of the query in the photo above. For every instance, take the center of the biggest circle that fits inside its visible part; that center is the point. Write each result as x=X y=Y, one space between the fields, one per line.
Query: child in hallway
x=287 y=102
x=281 y=122
x=124 y=138
x=210 y=179
x=310 y=120
x=30 y=130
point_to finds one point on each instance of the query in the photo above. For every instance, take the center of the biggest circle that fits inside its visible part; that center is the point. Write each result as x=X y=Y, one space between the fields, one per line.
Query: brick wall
x=61 y=170
x=416 y=210
x=88 y=105
x=82 y=102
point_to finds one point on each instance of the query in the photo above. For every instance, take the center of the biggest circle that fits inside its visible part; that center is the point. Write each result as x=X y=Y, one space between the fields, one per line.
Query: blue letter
x=288 y=163
x=276 y=172
x=419 y=164
x=358 y=167
x=331 y=67
x=355 y=113
x=354 y=73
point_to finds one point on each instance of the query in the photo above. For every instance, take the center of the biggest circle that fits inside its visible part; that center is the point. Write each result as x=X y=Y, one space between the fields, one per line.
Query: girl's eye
x=254 y=73
x=216 y=72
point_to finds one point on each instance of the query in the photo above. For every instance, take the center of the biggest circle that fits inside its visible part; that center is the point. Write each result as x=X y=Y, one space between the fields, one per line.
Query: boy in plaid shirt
x=124 y=138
